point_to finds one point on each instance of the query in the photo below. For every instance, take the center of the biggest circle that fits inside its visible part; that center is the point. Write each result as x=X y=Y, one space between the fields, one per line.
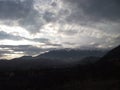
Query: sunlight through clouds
x=20 y=42
x=55 y=24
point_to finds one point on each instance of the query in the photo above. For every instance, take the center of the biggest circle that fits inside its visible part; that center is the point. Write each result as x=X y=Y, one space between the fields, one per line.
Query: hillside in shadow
x=103 y=74
x=55 y=58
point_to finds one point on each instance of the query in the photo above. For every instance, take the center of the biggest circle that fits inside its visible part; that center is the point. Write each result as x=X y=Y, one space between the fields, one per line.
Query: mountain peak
x=112 y=58
x=114 y=53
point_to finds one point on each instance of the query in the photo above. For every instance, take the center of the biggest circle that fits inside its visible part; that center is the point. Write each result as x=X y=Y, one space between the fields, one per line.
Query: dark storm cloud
x=14 y=9
x=54 y=45
x=95 y=9
x=54 y=4
x=27 y=49
x=4 y=35
x=32 y=22
x=47 y=42
x=3 y=52
x=49 y=16
x=21 y=11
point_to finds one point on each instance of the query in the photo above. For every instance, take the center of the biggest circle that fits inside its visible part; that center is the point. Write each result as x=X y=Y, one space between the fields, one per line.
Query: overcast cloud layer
x=31 y=27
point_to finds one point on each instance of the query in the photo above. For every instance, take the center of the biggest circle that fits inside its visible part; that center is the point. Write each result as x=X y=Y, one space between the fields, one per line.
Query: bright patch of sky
x=51 y=24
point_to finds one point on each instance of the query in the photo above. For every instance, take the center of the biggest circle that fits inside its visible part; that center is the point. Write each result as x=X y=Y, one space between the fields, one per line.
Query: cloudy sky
x=31 y=27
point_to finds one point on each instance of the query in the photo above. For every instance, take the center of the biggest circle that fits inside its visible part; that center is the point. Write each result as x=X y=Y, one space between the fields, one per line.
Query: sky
x=32 y=27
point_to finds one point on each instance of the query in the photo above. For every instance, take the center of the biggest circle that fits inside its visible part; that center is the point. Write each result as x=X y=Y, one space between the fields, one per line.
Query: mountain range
x=54 y=58
x=102 y=74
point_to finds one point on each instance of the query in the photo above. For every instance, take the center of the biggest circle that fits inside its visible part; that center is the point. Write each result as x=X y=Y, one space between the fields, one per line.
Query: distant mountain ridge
x=55 y=58
x=64 y=54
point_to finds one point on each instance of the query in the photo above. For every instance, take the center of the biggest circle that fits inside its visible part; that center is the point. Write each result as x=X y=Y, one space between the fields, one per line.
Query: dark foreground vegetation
x=102 y=75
